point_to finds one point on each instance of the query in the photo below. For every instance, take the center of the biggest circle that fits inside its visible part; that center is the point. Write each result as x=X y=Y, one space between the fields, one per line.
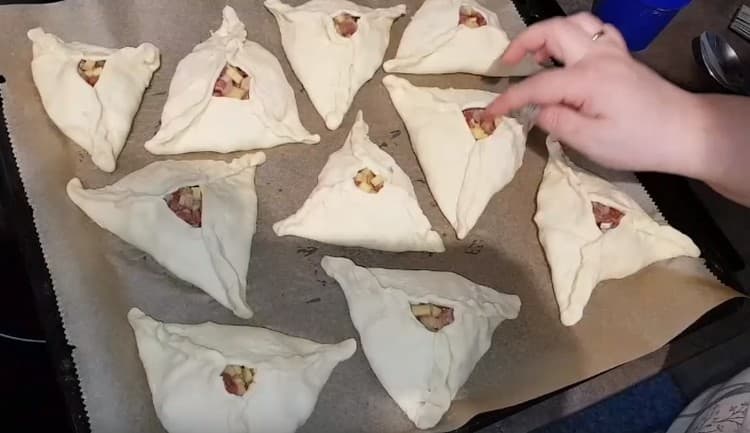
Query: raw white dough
x=421 y=370
x=338 y=212
x=184 y=363
x=463 y=174
x=194 y=120
x=578 y=253
x=435 y=43
x=96 y=118
x=215 y=256
x=331 y=67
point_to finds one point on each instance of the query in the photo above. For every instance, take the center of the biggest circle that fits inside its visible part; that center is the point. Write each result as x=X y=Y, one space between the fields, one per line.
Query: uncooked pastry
x=95 y=113
x=194 y=120
x=436 y=42
x=580 y=252
x=463 y=173
x=420 y=369
x=184 y=365
x=333 y=66
x=342 y=212
x=214 y=256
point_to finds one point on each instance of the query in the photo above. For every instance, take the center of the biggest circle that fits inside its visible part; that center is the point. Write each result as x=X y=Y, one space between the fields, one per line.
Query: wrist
x=687 y=151
x=720 y=145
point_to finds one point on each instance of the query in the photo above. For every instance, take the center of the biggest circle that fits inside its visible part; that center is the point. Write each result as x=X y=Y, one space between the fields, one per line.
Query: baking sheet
x=97 y=277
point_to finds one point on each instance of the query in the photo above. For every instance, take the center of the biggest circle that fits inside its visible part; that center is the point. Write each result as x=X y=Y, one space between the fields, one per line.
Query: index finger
x=564 y=40
x=558 y=86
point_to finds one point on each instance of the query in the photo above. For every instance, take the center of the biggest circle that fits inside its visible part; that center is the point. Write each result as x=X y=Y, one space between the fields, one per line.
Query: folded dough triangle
x=340 y=212
x=333 y=67
x=463 y=173
x=97 y=114
x=436 y=42
x=420 y=369
x=580 y=253
x=186 y=371
x=194 y=120
x=213 y=256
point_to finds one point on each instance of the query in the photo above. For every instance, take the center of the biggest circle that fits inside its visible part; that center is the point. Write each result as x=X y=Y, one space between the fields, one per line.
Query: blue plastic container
x=640 y=21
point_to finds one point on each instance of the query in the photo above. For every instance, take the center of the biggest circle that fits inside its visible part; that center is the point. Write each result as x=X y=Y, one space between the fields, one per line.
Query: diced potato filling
x=186 y=203
x=471 y=18
x=233 y=82
x=91 y=70
x=433 y=317
x=346 y=24
x=368 y=181
x=479 y=126
x=607 y=217
x=237 y=379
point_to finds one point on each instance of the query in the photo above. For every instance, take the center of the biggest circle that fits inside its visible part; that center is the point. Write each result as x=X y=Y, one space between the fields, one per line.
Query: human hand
x=603 y=102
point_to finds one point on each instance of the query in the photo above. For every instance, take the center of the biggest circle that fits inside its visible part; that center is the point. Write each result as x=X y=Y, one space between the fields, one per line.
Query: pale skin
x=621 y=114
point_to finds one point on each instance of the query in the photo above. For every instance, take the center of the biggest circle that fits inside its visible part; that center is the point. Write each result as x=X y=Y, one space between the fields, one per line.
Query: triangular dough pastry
x=234 y=379
x=196 y=218
x=464 y=165
x=421 y=368
x=92 y=93
x=334 y=47
x=363 y=199
x=450 y=36
x=591 y=232
x=229 y=94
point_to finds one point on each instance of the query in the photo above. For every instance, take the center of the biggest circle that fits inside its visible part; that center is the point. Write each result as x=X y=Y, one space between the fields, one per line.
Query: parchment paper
x=97 y=277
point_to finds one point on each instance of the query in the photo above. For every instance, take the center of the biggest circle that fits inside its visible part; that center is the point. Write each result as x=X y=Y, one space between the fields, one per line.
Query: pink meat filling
x=433 y=317
x=607 y=217
x=233 y=82
x=237 y=379
x=91 y=70
x=186 y=203
x=346 y=24
x=479 y=126
x=471 y=18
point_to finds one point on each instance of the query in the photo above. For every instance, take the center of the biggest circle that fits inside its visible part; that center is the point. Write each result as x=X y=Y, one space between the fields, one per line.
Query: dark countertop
x=29 y=379
x=672 y=56
x=42 y=376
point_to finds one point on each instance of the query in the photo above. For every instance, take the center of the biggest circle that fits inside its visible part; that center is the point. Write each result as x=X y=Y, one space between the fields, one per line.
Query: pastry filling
x=186 y=204
x=345 y=24
x=607 y=218
x=480 y=127
x=368 y=181
x=433 y=317
x=233 y=82
x=237 y=379
x=91 y=70
x=471 y=18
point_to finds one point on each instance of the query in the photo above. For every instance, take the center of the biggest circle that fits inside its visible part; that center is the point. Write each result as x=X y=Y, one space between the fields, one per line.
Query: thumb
x=567 y=124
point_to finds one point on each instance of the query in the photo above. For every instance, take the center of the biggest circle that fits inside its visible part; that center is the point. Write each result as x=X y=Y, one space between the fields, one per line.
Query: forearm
x=717 y=144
